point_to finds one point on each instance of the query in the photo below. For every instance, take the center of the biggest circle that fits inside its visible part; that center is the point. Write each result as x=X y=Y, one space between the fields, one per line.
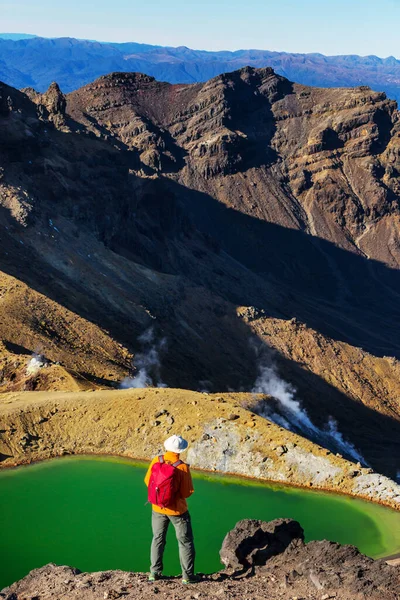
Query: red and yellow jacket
x=184 y=486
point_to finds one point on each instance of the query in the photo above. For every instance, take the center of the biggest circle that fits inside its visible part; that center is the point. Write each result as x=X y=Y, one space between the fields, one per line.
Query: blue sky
x=330 y=27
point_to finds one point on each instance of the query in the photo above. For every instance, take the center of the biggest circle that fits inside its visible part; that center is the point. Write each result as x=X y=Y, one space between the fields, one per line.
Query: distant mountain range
x=31 y=61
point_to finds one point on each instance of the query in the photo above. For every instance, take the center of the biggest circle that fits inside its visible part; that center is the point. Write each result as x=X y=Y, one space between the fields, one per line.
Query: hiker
x=169 y=484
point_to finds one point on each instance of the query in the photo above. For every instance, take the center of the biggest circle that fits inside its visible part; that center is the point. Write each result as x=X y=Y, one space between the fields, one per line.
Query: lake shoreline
x=199 y=472
x=224 y=438
x=73 y=484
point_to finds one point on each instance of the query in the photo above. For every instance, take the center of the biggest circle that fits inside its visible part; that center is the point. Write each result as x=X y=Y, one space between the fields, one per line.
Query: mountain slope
x=235 y=219
x=72 y=63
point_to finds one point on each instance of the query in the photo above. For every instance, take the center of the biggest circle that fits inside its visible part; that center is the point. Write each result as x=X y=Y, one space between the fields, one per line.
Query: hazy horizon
x=362 y=27
x=25 y=35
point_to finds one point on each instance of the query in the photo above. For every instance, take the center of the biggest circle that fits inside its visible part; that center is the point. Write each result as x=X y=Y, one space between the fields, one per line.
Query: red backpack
x=162 y=484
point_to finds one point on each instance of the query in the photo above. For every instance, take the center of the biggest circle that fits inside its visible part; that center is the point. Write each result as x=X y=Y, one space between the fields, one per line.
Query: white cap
x=176 y=444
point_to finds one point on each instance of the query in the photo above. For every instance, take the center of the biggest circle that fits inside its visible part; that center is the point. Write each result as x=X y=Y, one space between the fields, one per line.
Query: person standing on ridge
x=169 y=483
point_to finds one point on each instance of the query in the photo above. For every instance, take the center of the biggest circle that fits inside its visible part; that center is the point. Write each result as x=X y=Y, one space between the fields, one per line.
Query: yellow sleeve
x=147 y=476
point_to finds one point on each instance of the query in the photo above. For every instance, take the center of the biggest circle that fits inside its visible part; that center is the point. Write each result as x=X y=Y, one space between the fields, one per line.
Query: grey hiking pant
x=184 y=535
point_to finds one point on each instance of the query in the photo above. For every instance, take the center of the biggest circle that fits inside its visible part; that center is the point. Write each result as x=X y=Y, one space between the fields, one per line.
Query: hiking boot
x=193 y=579
x=154 y=577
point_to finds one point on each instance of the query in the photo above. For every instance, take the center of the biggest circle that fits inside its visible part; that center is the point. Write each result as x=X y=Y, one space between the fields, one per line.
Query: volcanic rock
x=253 y=542
x=315 y=570
x=54 y=101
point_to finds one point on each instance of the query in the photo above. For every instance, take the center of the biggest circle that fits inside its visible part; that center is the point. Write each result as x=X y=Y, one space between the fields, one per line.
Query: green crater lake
x=90 y=513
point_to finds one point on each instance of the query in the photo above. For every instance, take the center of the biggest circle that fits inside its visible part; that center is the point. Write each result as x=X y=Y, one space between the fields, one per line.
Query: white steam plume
x=345 y=446
x=147 y=362
x=268 y=382
x=36 y=363
x=290 y=414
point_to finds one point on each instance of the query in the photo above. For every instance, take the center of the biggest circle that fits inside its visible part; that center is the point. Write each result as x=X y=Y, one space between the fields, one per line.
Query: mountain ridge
x=72 y=63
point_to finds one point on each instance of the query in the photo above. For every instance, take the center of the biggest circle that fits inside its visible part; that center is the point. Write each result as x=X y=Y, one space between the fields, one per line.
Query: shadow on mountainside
x=206 y=341
x=341 y=294
x=132 y=252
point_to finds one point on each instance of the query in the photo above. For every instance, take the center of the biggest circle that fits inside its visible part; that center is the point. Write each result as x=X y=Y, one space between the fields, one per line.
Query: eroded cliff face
x=322 y=160
x=214 y=214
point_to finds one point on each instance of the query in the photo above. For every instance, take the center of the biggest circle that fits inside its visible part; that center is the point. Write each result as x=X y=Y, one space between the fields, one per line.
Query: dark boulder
x=253 y=542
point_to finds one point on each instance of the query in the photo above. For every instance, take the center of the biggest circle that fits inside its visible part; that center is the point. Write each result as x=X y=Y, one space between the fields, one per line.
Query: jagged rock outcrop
x=51 y=105
x=317 y=570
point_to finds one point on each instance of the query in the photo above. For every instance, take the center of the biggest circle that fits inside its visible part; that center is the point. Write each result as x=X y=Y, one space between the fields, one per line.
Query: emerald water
x=90 y=513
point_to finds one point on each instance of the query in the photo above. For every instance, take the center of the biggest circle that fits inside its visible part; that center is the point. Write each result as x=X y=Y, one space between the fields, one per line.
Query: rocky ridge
x=333 y=153
x=263 y=560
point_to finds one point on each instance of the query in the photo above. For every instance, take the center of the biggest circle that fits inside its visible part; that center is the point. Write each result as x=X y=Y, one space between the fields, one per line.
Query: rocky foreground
x=262 y=561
